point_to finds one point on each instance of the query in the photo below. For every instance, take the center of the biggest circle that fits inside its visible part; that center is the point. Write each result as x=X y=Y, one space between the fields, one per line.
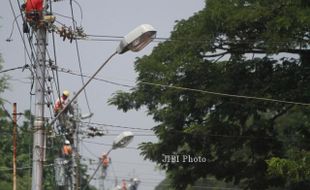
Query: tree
x=4 y=136
x=200 y=87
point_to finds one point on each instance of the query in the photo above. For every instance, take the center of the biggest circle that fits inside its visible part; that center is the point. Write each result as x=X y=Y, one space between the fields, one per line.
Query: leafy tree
x=5 y=147
x=248 y=48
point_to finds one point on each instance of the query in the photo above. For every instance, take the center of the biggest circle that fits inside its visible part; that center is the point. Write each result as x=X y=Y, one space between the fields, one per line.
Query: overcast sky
x=108 y=18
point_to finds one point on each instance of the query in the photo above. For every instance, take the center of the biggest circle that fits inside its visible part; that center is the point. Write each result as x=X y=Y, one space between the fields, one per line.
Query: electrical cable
x=12 y=69
x=79 y=58
x=162 y=39
x=110 y=145
x=31 y=46
x=116 y=126
x=81 y=11
x=56 y=79
x=29 y=40
x=12 y=29
x=68 y=71
x=89 y=151
x=201 y=91
x=64 y=16
x=55 y=58
x=24 y=43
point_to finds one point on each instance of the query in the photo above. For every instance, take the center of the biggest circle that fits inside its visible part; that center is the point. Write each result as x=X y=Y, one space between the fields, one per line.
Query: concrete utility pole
x=14 y=144
x=76 y=155
x=38 y=135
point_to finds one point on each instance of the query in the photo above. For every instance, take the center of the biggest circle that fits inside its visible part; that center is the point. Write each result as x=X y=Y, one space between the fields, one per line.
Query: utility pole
x=14 y=144
x=38 y=135
x=76 y=155
x=102 y=176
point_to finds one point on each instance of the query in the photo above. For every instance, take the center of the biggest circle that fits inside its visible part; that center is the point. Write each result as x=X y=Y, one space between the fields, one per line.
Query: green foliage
x=247 y=48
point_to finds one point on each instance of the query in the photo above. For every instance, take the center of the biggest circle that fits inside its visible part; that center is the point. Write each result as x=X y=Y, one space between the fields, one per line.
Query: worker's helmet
x=67 y=142
x=66 y=93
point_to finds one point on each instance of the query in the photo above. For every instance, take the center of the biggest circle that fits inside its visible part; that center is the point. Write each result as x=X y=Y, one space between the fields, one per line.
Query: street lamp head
x=122 y=140
x=137 y=39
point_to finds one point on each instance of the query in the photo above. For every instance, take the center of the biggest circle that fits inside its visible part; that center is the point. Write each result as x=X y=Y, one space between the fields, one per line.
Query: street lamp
x=135 y=41
x=121 y=141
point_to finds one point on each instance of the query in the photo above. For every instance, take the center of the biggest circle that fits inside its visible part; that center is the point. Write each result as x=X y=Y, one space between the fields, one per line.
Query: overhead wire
x=96 y=37
x=79 y=58
x=195 y=90
x=12 y=29
x=19 y=30
x=64 y=16
x=68 y=71
x=90 y=152
x=32 y=50
x=32 y=57
x=19 y=80
x=81 y=11
x=289 y=138
x=109 y=145
x=56 y=79
x=12 y=69
x=115 y=126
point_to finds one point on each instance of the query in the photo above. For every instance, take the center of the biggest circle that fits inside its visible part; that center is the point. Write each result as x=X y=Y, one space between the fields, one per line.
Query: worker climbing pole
x=65 y=125
x=36 y=15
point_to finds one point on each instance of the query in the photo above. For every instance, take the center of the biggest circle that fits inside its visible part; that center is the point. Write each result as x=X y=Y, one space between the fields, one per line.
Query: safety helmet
x=67 y=142
x=66 y=93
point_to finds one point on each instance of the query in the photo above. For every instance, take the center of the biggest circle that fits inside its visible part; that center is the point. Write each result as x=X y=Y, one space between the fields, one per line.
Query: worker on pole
x=105 y=164
x=61 y=102
x=67 y=150
x=33 y=12
x=65 y=120
x=33 y=9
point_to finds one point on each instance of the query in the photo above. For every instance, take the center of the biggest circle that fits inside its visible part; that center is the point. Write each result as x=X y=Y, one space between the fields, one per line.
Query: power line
x=195 y=90
x=81 y=10
x=115 y=126
x=116 y=38
x=55 y=58
x=28 y=37
x=110 y=145
x=79 y=58
x=13 y=69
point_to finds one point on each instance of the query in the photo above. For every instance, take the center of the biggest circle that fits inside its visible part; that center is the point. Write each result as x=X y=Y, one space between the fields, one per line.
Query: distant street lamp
x=135 y=41
x=121 y=141
x=87 y=116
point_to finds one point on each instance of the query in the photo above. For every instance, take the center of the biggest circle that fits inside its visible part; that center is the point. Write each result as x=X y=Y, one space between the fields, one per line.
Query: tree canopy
x=232 y=85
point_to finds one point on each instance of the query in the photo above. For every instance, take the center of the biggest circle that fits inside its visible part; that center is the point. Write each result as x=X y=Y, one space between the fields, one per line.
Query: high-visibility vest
x=105 y=162
x=34 y=5
x=59 y=104
x=67 y=150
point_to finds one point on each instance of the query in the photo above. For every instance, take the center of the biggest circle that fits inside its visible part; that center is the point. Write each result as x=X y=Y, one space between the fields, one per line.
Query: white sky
x=111 y=18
